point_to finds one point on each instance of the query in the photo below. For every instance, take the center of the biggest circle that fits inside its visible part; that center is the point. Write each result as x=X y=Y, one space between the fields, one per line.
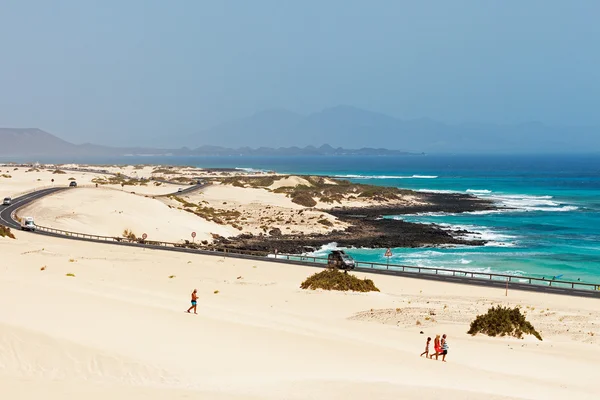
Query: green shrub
x=502 y=321
x=332 y=279
x=58 y=172
x=304 y=199
x=325 y=221
x=5 y=232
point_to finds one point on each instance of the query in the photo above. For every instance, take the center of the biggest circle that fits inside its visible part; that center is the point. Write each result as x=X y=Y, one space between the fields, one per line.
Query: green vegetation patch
x=502 y=321
x=250 y=181
x=332 y=279
x=216 y=215
x=326 y=190
x=58 y=172
x=119 y=179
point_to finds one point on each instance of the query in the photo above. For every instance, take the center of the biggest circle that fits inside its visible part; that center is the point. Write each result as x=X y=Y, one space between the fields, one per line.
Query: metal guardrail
x=406 y=269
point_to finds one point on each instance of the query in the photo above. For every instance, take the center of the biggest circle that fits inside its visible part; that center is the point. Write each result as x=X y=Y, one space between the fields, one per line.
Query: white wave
x=492 y=237
x=386 y=176
x=436 y=191
x=325 y=249
x=250 y=170
x=423 y=214
x=477 y=191
x=520 y=203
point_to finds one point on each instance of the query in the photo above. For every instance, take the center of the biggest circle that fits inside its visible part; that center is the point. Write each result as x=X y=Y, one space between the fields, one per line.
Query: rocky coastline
x=369 y=228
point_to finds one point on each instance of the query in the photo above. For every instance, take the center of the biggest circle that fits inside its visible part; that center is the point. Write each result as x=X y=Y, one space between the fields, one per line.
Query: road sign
x=388 y=253
x=193 y=234
x=144 y=236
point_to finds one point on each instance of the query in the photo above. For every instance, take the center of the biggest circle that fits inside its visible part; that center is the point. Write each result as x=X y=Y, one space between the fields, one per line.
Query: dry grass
x=70 y=274
x=5 y=232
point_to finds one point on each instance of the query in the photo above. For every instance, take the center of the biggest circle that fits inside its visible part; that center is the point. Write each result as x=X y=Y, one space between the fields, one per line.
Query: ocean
x=551 y=230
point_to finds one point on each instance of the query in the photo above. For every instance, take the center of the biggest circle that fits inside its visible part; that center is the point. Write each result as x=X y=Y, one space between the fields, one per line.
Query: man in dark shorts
x=194 y=301
x=444 y=347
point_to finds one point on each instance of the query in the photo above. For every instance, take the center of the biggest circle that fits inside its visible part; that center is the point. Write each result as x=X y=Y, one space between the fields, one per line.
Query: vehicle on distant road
x=73 y=184
x=179 y=190
x=339 y=259
x=27 y=224
x=7 y=201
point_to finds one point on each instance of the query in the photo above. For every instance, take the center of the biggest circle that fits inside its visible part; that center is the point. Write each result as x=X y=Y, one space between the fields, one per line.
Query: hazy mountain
x=356 y=128
x=32 y=141
x=20 y=143
x=267 y=128
x=281 y=132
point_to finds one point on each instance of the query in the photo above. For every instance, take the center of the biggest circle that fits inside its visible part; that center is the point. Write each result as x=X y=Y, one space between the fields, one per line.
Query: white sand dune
x=260 y=208
x=117 y=329
x=106 y=212
x=289 y=181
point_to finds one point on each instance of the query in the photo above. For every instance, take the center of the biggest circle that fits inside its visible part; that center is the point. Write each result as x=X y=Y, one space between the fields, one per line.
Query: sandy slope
x=117 y=330
x=260 y=208
x=106 y=212
x=21 y=180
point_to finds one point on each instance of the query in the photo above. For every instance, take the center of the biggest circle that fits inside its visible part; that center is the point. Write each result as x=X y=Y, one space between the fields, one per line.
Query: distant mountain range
x=367 y=133
x=35 y=142
x=354 y=127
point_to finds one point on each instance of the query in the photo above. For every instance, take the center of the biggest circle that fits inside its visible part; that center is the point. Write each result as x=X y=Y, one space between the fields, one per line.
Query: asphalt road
x=6 y=219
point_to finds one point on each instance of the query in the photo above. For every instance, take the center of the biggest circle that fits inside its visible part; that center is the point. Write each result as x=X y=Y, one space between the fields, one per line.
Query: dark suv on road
x=7 y=201
x=73 y=184
x=339 y=259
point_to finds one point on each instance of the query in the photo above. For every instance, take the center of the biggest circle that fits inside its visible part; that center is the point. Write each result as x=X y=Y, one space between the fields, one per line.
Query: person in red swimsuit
x=436 y=347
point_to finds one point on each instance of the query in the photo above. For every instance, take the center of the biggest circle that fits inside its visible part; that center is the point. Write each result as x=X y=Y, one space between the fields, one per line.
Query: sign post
x=193 y=236
x=388 y=254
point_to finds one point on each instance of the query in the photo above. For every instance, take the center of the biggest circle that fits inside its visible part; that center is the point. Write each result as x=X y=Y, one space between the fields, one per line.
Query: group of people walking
x=439 y=345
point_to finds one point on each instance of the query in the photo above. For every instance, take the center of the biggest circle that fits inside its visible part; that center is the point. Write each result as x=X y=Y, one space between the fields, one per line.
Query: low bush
x=502 y=321
x=304 y=199
x=129 y=235
x=5 y=232
x=332 y=279
x=58 y=172
x=325 y=221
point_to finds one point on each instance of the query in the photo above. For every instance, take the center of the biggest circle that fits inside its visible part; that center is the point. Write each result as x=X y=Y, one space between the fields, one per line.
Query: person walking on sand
x=194 y=301
x=426 y=352
x=444 y=347
x=436 y=347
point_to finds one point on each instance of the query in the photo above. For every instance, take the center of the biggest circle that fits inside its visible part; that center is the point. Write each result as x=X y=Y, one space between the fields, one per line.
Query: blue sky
x=117 y=72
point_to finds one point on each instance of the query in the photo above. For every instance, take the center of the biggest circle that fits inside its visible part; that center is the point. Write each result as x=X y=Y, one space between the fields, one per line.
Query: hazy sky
x=116 y=71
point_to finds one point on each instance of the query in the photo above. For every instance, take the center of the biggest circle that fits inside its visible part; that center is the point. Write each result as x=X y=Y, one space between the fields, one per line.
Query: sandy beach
x=99 y=320
x=117 y=328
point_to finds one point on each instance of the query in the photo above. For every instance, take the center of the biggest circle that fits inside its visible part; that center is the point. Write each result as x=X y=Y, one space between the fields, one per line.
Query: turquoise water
x=549 y=227
x=552 y=228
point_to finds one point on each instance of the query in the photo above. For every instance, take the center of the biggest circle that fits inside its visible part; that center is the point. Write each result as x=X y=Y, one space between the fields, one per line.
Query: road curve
x=7 y=212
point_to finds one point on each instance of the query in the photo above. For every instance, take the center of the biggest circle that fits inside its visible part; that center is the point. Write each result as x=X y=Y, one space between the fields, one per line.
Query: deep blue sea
x=553 y=228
